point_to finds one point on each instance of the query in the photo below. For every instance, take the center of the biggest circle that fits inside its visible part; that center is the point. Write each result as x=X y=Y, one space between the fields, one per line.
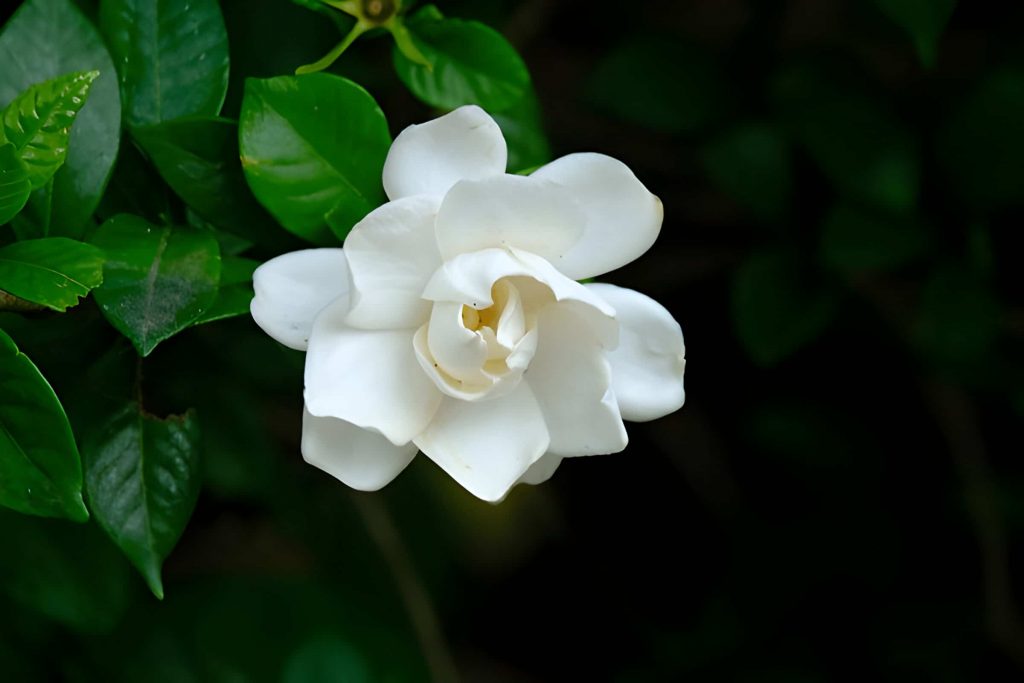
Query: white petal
x=370 y=378
x=572 y=381
x=542 y=470
x=486 y=446
x=648 y=365
x=431 y=157
x=391 y=255
x=469 y=278
x=622 y=217
x=292 y=288
x=509 y=211
x=362 y=459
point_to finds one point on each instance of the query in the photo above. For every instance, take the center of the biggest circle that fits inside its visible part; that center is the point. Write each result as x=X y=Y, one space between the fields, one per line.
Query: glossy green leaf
x=55 y=272
x=199 y=159
x=172 y=57
x=69 y=573
x=235 y=292
x=38 y=122
x=859 y=144
x=752 y=165
x=142 y=478
x=472 y=64
x=45 y=39
x=924 y=20
x=659 y=83
x=14 y=183
x=523 y=129
x=136 y=188
x=157 y=280
x=776 y=308
x=855 y=239
x=301 y=169
x=40 y=471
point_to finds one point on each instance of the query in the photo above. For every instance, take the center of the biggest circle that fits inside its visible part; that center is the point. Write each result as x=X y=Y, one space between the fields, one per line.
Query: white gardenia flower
x=452 y=321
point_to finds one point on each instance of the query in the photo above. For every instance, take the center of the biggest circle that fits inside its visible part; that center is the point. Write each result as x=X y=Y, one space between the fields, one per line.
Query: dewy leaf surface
x=172 y=57
x=40 y=470
x=55 y=271
x=49 y=38
x=156 y=280
x=142 y=477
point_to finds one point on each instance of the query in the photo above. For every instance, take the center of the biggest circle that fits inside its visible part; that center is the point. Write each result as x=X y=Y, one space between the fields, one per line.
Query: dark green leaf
x=854 y=239
x=67 y=572
x=14 y=183
x=157 y=280
x=235 y=292
x=472 y=64
x=301 y=169
x=199 y=160
x=38 y=122
x=776 y=309
x=142 y=478
x=663 y=84
x=327 y=658
x=49 y=38
x=172 y=57
x=751 y=164
x=40 y=471
x=958 y=316
x=135 y=188
x=54 y=271
x=858 y=143
x=524 y=133
x=981 y=144
x=924 y=20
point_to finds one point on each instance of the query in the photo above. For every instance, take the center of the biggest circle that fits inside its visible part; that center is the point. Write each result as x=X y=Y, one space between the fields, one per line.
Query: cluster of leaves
x=121 y=179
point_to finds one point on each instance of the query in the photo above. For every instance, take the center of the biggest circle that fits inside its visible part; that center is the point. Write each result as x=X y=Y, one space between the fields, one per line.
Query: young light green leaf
x=924 y=20
x=38 y=122
x=142 y=478
x=301 y=169
x=45 y=39
x=235 y=292
x=69 y=573
x=40 y=470
x=775 y=311
x=172 y=57
x=471 y=64
x=751 y=164
x=55 y=272
x=14 y=183
x=198 y=158
x=855 y=239
x=157 y=280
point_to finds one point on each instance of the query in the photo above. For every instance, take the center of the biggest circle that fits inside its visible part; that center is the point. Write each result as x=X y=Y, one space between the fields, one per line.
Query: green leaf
x=472 y=64
x=14 y=183
x=924 y=20
x=157 y=280
x=958 y=316
x=327 y=658
x=660 y=83
x=776 y=310
x=199 y=160
x=172 y=57
x=40 y=471
x=855 y=239
x=752 y=165
x=55 y=272
x=859 y=144
x=142 y=478
x=524 y=133
x=135 y=188
x=235 y=292
x=67 y=572
x=45 y=39
x=301 y=169
x=38 y=122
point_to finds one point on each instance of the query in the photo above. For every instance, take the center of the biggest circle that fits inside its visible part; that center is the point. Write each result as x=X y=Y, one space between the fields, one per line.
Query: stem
x=324 y=62
x=424 y=619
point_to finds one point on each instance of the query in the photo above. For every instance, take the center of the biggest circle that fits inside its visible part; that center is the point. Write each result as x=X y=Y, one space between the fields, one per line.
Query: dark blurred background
x=842 y=497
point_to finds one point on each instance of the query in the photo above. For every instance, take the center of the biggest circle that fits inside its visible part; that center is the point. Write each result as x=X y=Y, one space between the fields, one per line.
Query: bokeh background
x=842 y=497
